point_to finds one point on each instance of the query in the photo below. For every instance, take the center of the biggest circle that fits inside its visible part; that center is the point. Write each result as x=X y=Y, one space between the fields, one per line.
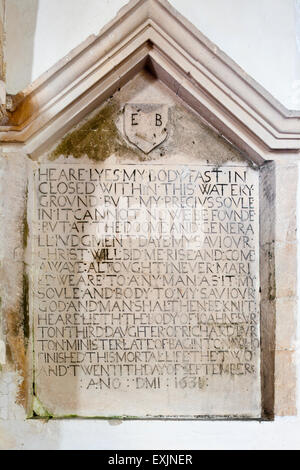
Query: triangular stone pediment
x=107 y=131
x=152 y=35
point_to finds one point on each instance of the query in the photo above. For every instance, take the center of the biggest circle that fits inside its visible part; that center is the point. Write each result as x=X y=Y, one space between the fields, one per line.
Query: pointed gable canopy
x=152 y=34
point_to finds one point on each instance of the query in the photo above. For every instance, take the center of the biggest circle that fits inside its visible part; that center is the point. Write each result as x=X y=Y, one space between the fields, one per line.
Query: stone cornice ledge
x=151 y=33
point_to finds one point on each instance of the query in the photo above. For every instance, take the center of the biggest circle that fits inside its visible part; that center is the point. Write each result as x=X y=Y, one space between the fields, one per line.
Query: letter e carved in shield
x=146 y=125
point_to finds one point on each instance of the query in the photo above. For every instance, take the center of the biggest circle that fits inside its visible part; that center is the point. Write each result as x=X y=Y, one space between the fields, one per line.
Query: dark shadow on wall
x=20 y=27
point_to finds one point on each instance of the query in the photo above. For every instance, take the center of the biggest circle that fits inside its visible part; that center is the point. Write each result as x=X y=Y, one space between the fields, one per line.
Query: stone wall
x=279 y=256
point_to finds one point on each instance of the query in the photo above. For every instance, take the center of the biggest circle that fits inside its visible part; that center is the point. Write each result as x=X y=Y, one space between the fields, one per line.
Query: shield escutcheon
x=146 y=125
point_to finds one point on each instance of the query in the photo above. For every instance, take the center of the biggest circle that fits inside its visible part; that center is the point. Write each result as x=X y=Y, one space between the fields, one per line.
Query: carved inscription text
x=146 y=290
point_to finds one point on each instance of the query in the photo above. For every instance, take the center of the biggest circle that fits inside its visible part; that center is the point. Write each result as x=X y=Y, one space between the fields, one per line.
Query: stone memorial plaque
x=146 y=290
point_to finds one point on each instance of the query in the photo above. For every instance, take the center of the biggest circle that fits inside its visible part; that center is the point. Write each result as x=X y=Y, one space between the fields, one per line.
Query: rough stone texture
x=199 y=143
x=286 y=255
x=267 y=286
x=163 y=367
x=14 y=299
x=97 y=138
x=233 y=88
x=101 y=138
x=101 y=134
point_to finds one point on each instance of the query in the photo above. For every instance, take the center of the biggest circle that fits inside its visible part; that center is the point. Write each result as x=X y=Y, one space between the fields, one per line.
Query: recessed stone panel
x=146 y=290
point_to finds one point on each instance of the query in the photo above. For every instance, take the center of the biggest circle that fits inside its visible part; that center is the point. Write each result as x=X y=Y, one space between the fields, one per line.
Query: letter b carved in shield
x=146 y=125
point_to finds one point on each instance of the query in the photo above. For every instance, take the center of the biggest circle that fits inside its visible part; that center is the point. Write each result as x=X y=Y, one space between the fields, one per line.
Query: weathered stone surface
x=146 y=290
x=286 y=284
x=14 y=327
x=286 y=319
x=100 y=139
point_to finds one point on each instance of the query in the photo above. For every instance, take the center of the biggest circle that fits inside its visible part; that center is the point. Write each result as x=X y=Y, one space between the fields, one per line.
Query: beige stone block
x=286 y=202
x=2 y=93
x=285 y=384
x=165 y=381
x=286 y=270
x=286 y=226
x=267 y=272
x=286 y=324
x=267 y=355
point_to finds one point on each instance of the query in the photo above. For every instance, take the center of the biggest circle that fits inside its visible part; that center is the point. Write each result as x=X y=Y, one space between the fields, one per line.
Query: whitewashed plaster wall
x=260 y=35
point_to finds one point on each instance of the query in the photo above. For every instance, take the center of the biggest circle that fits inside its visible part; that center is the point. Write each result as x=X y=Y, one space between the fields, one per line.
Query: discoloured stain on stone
x=102 y=134
x=39 y=411
x=102 y=256
x=16 y=349
x=17 y=336
x=96 y=138
x=25 y=308
x=25 y=222
x=271 y=277
x=14 y=284
x=19 y=109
